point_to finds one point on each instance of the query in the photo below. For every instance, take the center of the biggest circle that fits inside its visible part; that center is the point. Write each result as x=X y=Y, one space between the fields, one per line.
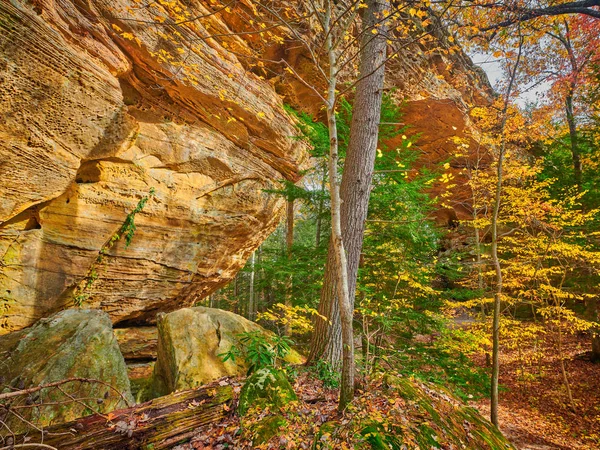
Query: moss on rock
x=75 y=343
x=439 y=420
x=263 y=430
x=267 y=387
x=190 y=341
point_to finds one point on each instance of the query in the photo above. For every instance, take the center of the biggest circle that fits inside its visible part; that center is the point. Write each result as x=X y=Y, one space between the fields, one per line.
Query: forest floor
x=534 y=410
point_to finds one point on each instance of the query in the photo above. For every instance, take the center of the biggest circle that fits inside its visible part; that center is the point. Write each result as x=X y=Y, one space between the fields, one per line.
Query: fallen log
x=157 y=424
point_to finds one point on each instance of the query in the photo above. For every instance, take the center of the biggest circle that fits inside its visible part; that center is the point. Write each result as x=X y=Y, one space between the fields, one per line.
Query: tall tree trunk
x=497 y=298
x=356 y=182
x=320 y=209
x=237 y=308
x=289 y=242
x=479 y=261
x=259 y=289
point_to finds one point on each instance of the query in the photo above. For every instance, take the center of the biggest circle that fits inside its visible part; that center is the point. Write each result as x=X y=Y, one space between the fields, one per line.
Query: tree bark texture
x=356 y=183
x=161 y=423
x=251 y=299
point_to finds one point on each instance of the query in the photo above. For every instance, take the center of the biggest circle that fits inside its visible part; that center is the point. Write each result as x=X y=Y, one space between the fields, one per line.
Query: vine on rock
x=127 y=230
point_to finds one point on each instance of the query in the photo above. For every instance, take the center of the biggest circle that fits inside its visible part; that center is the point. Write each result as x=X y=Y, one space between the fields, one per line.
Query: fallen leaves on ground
x=400 y=412
x=534 y=412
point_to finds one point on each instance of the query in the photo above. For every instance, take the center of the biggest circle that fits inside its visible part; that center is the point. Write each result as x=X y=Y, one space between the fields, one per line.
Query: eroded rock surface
x=137 y=343
x=70 y=344
x=105 y=100
x=96 y=111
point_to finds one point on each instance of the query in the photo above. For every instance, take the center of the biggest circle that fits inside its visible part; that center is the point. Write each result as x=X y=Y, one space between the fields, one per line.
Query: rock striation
x=97 y=109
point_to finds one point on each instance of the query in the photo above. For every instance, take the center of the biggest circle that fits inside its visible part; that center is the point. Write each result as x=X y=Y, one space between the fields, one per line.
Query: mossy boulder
x=190 y=341
x=435 y=419
x=380 y=438
x=267 y=387
x=263 y=430
x=75 y=343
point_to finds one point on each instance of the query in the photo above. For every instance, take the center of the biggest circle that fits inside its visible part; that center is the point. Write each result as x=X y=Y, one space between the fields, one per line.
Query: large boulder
x=190 y=341
x=75 y=343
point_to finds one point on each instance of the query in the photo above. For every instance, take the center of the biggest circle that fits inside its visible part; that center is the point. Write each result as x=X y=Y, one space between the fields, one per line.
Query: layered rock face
x=95 y=113
x=101 y=104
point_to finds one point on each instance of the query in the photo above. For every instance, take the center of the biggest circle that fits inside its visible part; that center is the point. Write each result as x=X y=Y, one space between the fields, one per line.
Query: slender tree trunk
x=320 y=209
x=565 y=40
x=479 y=266
x=251 y=303
x=577 y=170
x=237 y=308
x=356 y=182
x=259 y=294
x=289 y=241
x=340 y=268
x=495 y=260
x=497 y=295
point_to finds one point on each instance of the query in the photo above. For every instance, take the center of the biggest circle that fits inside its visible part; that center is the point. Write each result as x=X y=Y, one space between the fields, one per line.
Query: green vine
x=127 y=230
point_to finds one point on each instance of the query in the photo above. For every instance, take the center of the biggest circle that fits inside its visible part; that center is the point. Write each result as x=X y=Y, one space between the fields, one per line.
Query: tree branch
x=585 y=7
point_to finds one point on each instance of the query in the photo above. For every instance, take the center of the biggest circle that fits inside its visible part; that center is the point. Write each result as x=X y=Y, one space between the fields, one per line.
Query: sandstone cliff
x=99 y=106
x=92 y=118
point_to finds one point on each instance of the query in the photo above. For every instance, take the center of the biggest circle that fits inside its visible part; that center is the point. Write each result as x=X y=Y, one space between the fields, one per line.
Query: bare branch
x=11 y=447
x=5 y=395
x=585 y=7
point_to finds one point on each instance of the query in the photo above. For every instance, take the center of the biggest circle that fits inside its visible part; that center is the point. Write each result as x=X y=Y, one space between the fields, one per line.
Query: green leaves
x=127 y=230
x=259 y=350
